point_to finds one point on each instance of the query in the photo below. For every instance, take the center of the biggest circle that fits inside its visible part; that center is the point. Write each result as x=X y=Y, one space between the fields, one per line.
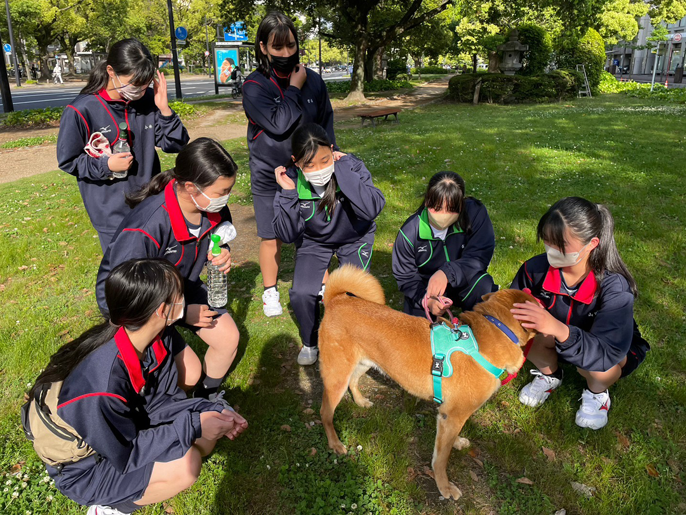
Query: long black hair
x=447 y=189
x=126 y=57
x=201 y=162
x=281 y=26
x=586 y=220
x=133 y=291
x=305 y=143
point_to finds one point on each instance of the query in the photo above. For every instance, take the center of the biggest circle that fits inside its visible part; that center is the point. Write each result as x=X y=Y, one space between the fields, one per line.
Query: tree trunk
x=369 y=65
x=356 y=93
x=493 y=61
x=474 y=62
x=378 y=63
x=24 y=55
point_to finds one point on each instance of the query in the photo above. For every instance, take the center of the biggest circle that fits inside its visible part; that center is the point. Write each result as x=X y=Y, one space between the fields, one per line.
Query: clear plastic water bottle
x=217 y=295
x=121 y=145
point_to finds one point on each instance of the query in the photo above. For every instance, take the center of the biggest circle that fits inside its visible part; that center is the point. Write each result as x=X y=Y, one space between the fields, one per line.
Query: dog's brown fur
x=359 y=332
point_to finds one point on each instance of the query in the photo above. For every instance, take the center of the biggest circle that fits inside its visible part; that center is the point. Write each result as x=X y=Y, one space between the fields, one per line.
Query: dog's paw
x=450 y=491
x=364 y=403
x=338 y=448
x=461 y=443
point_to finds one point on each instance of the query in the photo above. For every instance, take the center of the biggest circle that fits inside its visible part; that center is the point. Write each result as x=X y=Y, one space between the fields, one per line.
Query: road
x=59 y=96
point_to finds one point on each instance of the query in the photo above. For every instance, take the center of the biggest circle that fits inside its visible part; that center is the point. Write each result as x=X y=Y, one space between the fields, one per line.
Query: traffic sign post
x=181 y=33
x=12 y=47
x=5 y=87
x=7 y=47
x=175 y=58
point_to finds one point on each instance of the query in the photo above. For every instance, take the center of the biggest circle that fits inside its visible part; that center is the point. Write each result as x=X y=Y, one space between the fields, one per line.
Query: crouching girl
x=326 y=205
x=107 y=416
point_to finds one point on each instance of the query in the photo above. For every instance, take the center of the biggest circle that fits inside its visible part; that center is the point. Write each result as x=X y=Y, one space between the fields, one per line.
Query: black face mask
x=285 y=65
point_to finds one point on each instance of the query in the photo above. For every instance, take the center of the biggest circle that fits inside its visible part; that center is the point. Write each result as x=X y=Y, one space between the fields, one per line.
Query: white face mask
x=320 y=177
x=557 y=259
x=215 y=205
x=181 y=311
x=442 y=220
x=130 y=92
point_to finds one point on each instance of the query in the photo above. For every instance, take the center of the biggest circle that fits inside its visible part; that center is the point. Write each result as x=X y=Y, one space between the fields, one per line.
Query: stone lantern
x=512 y=54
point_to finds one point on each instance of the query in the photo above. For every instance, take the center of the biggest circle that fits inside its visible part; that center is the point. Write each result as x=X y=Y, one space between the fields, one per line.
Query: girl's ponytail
x=606 y=255
x=155 y=186
x=97 y=79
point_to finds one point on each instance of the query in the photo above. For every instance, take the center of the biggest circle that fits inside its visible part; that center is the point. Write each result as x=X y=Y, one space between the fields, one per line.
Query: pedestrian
x=107 y=417
x=586 y=311
x=326 y=204
x=442 y=251
x=172 y=218
x=117 y=101
x=278 y=97
x=57 y=73
x=34 y=72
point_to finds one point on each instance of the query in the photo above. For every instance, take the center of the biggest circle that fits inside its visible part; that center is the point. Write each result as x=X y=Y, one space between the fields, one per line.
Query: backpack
x=56 y=442
x=234 y=74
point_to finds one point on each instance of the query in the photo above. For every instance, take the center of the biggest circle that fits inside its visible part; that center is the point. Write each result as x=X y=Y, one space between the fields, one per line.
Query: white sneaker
x=593 y=411
x=104 y=510
x=271 y=303
x=537 y=391
x=308 y=356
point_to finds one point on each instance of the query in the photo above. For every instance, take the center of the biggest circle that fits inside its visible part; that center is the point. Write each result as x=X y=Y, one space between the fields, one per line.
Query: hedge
x=609 y=84
x=511 y=89
x=432 y=70
x=589 y=51
x=537 y=56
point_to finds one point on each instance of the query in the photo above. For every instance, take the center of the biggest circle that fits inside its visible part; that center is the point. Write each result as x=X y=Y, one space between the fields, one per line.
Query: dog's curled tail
x=351 y=279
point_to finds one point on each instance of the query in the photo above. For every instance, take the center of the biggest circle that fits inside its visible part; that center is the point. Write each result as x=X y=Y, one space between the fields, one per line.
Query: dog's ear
x=488 y=296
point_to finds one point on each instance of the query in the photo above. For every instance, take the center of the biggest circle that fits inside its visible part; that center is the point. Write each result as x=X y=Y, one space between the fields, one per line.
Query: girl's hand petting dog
x=533 y=316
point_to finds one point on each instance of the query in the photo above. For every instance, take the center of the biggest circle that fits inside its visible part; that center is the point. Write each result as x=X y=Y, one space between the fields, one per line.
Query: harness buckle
x=437 y=366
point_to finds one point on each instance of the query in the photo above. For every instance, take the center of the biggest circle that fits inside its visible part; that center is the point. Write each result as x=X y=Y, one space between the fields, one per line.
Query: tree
x=536 y=58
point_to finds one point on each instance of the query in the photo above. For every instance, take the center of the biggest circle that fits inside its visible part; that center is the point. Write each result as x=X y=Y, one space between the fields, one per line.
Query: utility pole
x=207 y=47
x=14 y=49
x=319 y=33
x=175 y=58
x=7 y=105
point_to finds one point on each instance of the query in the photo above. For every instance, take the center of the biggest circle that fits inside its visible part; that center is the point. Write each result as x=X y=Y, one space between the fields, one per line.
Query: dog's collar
x=508 y=332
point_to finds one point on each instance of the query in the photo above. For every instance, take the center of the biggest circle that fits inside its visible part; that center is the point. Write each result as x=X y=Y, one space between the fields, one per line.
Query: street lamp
x=14 y=49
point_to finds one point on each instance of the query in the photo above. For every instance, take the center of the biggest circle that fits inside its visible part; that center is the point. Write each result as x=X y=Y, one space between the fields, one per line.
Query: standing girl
x=117 y=103
x=280 y=96
x=443 y=250
x=586 y=311
x=327 y=205
x=173 y=218
x=106 y=415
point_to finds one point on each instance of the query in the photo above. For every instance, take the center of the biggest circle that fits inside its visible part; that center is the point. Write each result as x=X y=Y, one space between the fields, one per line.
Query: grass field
x=627 y=153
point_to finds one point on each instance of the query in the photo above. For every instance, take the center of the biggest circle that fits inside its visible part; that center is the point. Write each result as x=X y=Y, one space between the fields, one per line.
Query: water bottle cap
x=216 y=250
x=123 y=127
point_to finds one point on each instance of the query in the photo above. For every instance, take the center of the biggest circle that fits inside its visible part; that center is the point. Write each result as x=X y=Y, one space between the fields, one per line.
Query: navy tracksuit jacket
x=274 y=110
x=156 y=228
x=464 y=257
x=600 y=317
x=132 y=413
x=349 y=233
x=104 y=197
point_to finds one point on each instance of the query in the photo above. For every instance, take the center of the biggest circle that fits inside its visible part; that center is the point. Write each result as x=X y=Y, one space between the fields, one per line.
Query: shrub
x=536 y=58
x=509 y=89
x=609 y=84
x=183 y=109
x=33 y=117
x=589 y=51
x=396 y=67
x=369 y=87
x=431 y=70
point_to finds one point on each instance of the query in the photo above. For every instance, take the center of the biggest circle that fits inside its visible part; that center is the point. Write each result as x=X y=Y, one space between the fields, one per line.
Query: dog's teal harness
x=445 y=341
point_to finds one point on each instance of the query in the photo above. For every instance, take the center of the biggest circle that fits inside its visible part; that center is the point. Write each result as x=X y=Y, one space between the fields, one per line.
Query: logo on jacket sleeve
x=151 y=126
x=309 y=101
x=422 y=248
x=304 y=205
x=105 y=129
x=171 y=250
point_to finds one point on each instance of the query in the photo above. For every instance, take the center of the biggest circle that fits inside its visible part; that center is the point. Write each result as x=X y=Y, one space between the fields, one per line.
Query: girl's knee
x=189 y=470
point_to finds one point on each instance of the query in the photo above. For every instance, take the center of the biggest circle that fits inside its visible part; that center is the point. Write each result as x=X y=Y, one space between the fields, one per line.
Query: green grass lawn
x=629 y=154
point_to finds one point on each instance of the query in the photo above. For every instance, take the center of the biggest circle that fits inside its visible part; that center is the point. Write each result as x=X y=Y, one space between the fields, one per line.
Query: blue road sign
x=181 y=33
x=615 y=62
x=7 y=47
x=236 y=32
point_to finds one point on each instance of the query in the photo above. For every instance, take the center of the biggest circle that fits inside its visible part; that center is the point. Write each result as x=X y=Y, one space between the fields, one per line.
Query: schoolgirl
x=586 y=311
x=326 y=204
x=442 y=252
x=173 y=218
x=278 y=97
x=117 y=102
x=114 y=392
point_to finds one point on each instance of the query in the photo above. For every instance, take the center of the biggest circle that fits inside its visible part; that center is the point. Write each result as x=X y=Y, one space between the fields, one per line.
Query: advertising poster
x=226 y=59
